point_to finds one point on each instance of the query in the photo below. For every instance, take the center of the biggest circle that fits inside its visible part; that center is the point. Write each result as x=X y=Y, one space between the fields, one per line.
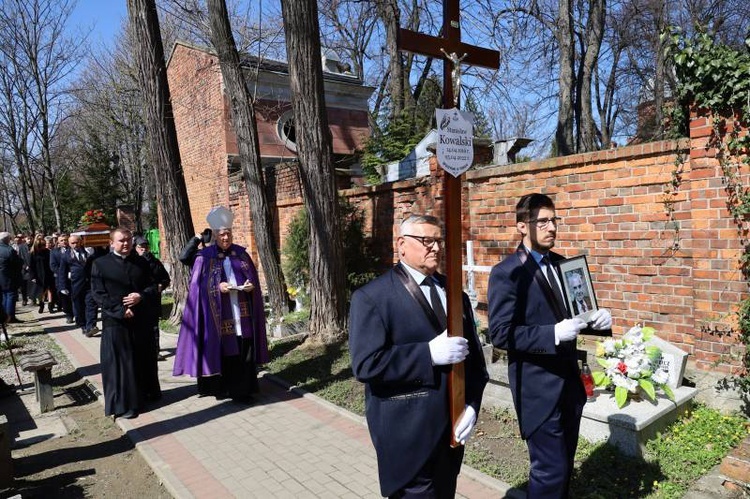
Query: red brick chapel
x=208 y=144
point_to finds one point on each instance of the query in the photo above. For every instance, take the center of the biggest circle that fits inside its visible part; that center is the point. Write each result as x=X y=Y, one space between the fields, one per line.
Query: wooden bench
x=40 y=363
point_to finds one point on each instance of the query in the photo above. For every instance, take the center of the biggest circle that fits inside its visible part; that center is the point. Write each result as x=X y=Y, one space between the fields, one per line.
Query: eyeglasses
x=427 y=242
x=542 y=223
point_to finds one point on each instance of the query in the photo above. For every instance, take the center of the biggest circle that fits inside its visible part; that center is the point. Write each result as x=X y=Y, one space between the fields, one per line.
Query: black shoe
x=6 y=390
x=244 y=400
x=50 y=308
x=69 y=320
x=153 y=397
x=41 y=307
x=132 y=414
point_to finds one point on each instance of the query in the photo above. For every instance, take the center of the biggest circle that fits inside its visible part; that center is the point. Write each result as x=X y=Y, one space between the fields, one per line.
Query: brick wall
x=682 y=282
x=207 y=143
x=612 y=204
x=199 y=111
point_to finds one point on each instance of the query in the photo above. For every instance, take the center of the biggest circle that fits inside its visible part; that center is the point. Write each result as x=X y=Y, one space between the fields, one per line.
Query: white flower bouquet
x=631 y=366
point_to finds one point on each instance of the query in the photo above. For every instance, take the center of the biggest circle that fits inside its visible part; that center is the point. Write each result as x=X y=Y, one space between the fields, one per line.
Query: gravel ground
x=89 y=456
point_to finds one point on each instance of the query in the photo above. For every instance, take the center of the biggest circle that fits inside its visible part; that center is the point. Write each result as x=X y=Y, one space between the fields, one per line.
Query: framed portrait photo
x=577 y=287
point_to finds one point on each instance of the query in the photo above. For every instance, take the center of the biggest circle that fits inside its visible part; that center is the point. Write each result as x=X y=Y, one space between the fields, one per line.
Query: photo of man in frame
x=579 y=294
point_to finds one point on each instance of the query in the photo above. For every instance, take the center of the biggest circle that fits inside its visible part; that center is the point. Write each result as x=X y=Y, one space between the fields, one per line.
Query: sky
x=102 y=17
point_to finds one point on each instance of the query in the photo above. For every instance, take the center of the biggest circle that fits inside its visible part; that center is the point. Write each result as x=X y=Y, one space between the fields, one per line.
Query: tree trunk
x=566 y=79
x=594 y=36
x=243 y=119
x=659 y=71
x=171 y=193
x=390 y=14
x=315 y=152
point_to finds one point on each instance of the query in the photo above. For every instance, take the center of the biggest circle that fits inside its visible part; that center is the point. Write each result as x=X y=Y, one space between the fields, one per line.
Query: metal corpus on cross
x=451 y=49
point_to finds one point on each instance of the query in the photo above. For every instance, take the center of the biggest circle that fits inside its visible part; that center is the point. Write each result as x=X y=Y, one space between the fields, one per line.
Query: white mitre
x=220 y=218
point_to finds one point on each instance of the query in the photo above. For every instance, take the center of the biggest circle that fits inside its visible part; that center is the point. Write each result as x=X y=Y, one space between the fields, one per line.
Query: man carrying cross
x=401 y=351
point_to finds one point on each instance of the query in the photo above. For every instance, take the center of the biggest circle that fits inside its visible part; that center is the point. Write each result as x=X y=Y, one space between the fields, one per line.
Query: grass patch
x=684 y=452
x=324 y=370
x=673 y=461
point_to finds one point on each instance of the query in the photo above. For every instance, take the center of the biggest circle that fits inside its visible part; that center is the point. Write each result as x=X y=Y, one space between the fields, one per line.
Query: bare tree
x=105 y=135
x=162 y=139
x=42 y=57
x=315 y=151
x=389 y=12
x=243 y=119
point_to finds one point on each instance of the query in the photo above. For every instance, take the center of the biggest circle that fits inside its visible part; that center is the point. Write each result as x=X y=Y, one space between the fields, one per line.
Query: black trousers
x=552 y=449
x=437 y=478
x=65 y=303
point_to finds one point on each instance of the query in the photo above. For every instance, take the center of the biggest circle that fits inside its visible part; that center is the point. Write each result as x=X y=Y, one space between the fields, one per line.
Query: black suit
x=61 y=279
x=391 y=323
x=74 y=263
x=576 y=308
x=544 y=378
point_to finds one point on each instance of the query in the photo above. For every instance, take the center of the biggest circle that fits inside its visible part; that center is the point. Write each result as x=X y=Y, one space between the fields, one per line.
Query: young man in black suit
x=529 y=319
x=401 y=351
x=62 y=281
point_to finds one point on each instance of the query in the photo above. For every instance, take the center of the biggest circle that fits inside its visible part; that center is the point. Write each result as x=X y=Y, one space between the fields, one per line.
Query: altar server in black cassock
x=126 y=292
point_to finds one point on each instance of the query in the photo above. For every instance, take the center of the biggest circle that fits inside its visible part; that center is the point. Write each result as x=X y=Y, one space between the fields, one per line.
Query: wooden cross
x=451 y=49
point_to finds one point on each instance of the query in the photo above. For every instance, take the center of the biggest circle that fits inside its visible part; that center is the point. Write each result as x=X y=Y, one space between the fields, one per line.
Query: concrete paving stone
x=336 y=488
x=278 y=475
x=283 y=446
x=292 y=486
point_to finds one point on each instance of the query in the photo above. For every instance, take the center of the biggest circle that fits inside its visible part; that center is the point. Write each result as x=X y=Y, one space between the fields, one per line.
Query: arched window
x=287 y=130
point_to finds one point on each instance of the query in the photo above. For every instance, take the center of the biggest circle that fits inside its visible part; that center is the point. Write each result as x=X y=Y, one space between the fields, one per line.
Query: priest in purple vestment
x=223 y=334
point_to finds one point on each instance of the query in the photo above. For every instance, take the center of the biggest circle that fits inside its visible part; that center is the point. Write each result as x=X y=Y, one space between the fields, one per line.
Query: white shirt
x=233 y=298
x=419 y=278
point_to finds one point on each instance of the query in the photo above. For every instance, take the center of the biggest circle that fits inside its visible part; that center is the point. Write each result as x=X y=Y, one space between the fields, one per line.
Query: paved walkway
x=284 y=445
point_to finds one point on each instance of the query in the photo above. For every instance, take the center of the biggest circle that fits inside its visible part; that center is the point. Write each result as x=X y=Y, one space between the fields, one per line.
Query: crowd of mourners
x=223 y=333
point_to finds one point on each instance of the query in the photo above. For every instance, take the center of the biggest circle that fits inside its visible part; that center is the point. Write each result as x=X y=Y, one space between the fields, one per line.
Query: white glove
x=64 y=291
x=568 y=329
x=465 y=425
x=446 y=349
x=601 y=319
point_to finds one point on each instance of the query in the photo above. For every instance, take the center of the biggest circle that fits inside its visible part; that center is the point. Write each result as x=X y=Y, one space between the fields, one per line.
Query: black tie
x=553 y=282
x=437 y=305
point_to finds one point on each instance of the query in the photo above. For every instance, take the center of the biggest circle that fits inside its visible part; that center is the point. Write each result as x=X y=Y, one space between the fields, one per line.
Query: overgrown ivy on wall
x=715 y=78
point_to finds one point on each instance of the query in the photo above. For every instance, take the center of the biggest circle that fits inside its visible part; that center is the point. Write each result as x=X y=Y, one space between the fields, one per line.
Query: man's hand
x=601 y=319
x=129 y=314
x=206 y=235
x=465 y=425
x=446 y=349
x=131 y=300
x=224 y=287
x=248 y=286
x=568 y=329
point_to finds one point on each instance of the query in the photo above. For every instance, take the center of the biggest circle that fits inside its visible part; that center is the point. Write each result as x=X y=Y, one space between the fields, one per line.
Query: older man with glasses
x=528 y=318
x=401 y=351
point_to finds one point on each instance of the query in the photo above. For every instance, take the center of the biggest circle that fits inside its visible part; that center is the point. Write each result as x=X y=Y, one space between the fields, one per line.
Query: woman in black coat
x=41 y=273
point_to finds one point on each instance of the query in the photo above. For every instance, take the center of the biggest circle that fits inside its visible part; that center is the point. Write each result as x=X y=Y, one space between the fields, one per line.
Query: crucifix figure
x=447 y=49
x=455 y=73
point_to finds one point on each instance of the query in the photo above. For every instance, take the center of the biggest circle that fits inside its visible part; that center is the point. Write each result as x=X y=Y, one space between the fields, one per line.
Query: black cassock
x=128 y=346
